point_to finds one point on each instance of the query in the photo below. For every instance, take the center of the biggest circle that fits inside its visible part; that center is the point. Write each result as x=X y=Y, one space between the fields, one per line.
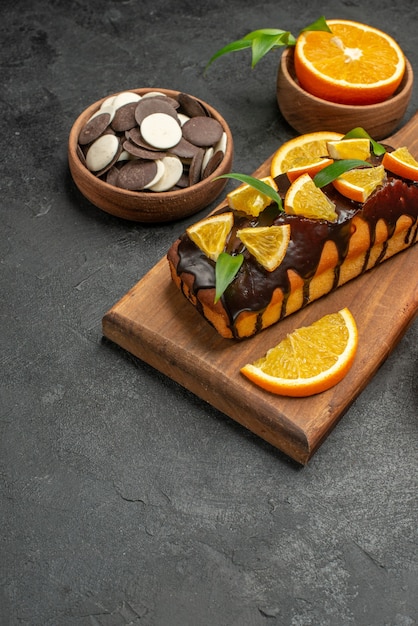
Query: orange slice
x=211 y=233
x=354 y=64
x=302 y=151
x=249 y=200
x=267 y=243
x=402 y=163
x=310 y=360
x=359 y=183
x=350 y=149
x=311 y=169
x=304 y=198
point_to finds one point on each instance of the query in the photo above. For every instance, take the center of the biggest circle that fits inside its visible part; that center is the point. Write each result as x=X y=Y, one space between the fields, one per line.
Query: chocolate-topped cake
x=321 y=256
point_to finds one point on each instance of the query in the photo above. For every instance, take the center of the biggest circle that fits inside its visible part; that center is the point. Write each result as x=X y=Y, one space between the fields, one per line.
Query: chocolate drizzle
x=253 y=287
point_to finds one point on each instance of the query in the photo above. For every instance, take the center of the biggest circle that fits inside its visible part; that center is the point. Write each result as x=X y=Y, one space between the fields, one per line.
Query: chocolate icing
x=253 y=286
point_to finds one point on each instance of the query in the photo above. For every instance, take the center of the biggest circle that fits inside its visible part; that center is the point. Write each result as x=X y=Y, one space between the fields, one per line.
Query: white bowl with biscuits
x=150 y=155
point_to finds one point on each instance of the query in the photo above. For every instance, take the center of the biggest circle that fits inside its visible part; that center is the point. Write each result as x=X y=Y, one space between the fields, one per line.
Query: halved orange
x=267 y=243
x=359 y=183
x=303 y=151
x=249 y=200
x=310 y=360
x=211 y=233
x=353 y=64
x=402 y=163
x=304 y=198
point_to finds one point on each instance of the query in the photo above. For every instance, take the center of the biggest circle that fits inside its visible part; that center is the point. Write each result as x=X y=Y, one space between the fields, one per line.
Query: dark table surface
x=125 y=499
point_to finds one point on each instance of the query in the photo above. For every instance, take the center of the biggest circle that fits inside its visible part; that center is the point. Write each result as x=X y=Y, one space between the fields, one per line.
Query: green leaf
x=269 y=32
x=226 y=268
x=234 y=46
x=319 y=24
x=257 y=184
x=263 y=40
x=331 y=172
x=357 y=133
x=263 y=44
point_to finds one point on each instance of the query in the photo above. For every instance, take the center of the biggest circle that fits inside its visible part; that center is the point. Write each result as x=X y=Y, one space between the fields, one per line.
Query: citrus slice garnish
x=268 y=244
x=304 y=198
x=249 y=200
x=211 y=233
x=310 y=360
x=312 y=169
x=352 y=64
x=402 y=163
x=302 y=151
x=349 y=149
x=359 y=183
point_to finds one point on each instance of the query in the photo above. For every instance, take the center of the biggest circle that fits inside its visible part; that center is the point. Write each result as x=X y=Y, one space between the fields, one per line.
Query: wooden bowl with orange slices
x=154 y=187
x=312 y=98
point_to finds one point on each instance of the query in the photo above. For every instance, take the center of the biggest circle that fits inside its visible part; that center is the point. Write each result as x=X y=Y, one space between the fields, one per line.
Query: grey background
x=124 y=498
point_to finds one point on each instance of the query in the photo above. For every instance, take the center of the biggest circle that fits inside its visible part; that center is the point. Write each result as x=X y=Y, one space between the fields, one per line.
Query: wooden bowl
x=307 y=113
x=147 y=206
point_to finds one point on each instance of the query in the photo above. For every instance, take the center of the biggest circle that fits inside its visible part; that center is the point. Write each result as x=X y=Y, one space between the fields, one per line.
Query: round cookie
x=161 y=130
x=137 y=174
x=202 y=131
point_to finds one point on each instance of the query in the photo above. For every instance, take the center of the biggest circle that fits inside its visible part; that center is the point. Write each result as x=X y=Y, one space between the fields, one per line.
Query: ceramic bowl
x=307 y=113
x=147 y=206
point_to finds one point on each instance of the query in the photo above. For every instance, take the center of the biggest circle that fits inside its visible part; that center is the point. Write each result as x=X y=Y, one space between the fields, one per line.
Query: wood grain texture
x=154 y=322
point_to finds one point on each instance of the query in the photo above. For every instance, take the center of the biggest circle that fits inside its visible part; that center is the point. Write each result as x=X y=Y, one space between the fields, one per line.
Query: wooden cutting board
x=154 y=322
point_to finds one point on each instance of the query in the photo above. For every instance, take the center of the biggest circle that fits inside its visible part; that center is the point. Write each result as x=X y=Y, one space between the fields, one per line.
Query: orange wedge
x=311 y=169
x=358 y=148
x=310 y=360
x=304 y=151
x=267 y=243
x=354 y=64
x=359 y=183
x=304 y=198
x=249 y=200
x=211 y=233
x=402 y=163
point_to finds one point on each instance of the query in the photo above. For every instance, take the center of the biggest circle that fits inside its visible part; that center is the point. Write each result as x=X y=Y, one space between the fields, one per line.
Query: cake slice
x=321 y=255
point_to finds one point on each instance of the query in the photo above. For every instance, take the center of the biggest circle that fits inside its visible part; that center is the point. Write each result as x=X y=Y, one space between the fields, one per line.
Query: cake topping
x=356 y=148
x=250 y=285
x=305 y=198
x=211 y=233
x=402 y=163
x=249 y=199
x=302 y=152
x=268 y=244
x=359 y=184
